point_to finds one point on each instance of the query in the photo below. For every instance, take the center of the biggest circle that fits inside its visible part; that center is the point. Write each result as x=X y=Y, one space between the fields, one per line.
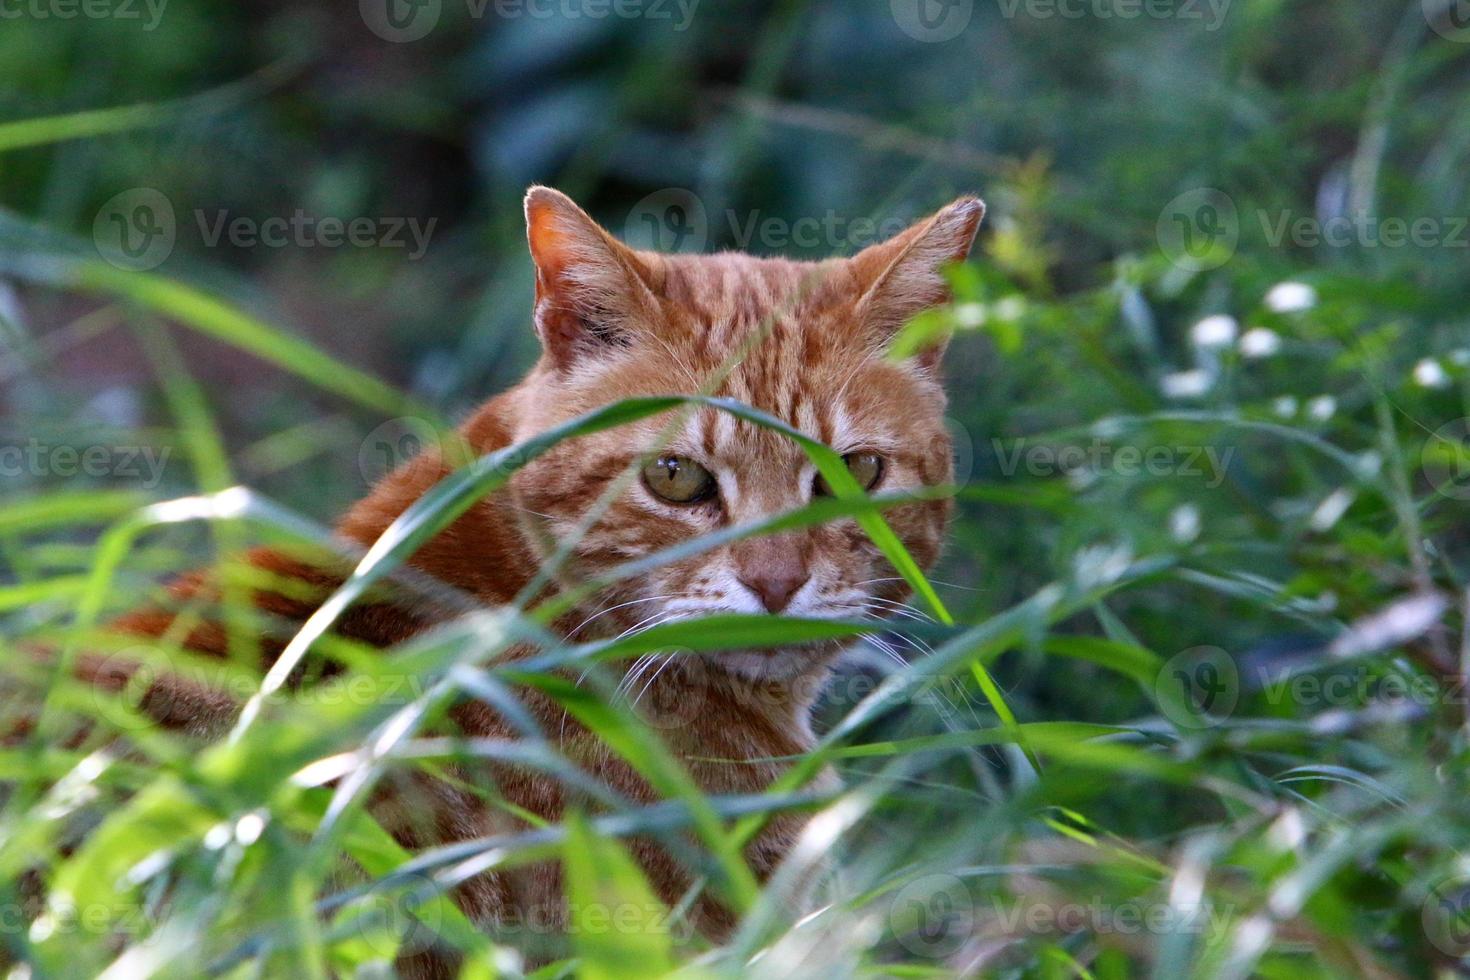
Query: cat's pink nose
x=775 y=591
x=775 y=584
x=773 y=567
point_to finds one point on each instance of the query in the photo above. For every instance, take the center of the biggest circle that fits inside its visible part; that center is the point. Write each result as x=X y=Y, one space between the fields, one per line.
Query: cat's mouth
x=765 y=663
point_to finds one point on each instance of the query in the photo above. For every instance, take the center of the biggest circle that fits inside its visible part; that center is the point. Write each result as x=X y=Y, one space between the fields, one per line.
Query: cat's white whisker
x=625 y=686
x=622 y=605
x=932 y=581
x=949 y=708
x=890 y=607
x=668 y=661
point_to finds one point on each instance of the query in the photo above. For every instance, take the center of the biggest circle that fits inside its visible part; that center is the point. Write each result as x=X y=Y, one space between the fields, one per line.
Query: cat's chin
x=784 y=665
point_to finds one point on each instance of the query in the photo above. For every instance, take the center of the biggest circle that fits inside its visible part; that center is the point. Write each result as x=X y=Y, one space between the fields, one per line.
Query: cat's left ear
x=592 y=291
x=903 y=276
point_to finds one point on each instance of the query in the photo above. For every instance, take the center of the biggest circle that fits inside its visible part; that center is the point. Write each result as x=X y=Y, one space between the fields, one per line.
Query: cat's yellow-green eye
x=678 y=479
x=866 y=469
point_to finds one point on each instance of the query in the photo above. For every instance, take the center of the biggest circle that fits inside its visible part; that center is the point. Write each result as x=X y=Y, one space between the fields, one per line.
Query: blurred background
x=1230 y=233
x=1107 y=139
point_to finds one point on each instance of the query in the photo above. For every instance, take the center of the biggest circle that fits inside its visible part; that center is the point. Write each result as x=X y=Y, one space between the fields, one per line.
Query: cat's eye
x=678 y=479
x=866 y=469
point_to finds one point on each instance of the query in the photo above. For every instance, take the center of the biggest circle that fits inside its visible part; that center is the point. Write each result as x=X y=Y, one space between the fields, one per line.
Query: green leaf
x=618 y=927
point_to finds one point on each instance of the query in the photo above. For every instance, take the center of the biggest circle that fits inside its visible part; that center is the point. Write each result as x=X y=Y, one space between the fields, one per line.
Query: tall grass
x=1296 y=840
x=1200 y=718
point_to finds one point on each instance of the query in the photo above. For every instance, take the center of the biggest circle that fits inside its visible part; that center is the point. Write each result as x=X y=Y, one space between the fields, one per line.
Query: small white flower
x=1429 y=373
x=1288 y=831
x=1460 y=357
x=248 y=828
x=969 y=314
x=1286 y=406
x=1260 y=342
x=1010 y=307
x=1186 y=384
x=1330 y=510
x=1214 y=331
x=1184 y=523
x=1322 y=408
x=1291 y=297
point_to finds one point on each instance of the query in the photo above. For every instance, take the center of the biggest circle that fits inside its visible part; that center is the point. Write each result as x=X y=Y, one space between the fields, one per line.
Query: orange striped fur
x=803 y=341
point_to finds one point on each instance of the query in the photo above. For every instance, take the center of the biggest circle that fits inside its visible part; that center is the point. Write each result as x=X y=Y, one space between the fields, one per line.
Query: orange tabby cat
x=804 y=342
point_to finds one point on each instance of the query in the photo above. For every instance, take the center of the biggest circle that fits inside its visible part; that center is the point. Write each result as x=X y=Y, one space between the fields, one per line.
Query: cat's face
x=804 y=342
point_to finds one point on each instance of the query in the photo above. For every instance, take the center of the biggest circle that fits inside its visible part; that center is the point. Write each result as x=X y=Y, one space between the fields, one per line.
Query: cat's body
x=802 y=341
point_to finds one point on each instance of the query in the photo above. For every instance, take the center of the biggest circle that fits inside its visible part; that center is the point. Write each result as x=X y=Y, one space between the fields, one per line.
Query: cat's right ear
x=592 y=291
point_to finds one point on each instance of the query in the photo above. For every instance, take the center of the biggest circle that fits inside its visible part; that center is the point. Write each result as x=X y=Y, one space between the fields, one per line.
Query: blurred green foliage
x=1257 y=445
